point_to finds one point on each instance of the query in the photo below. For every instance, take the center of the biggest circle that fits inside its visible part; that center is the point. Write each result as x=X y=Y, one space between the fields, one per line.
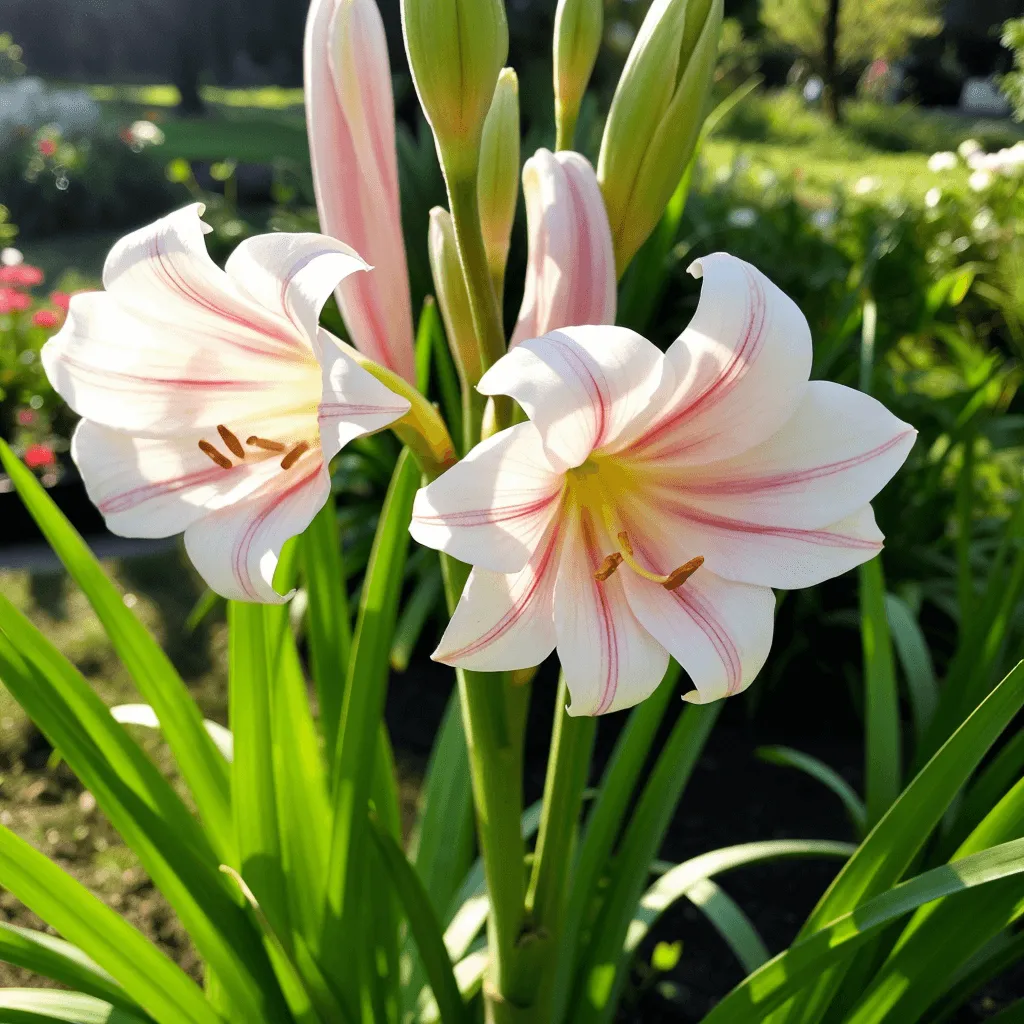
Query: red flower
x=61 y=300
x=47 y=147
x=26 y=417
x=45 y=318
x=13 y=301
x=39 y=455
x=21 y=275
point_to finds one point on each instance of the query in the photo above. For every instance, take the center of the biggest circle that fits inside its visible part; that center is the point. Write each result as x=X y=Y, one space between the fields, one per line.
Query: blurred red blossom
x=21 y=275
x=13 y=301
x=47 y=147
x=39 y=455
x=26 y=417
x=61 y=300
x=45 y=318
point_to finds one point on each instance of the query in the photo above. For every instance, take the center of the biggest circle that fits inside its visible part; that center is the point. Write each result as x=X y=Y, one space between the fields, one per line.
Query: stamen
x=267 y=446
x=608 y=566
x=294 y=455
x=222 y=460
x=677 y=577
x=234 y=445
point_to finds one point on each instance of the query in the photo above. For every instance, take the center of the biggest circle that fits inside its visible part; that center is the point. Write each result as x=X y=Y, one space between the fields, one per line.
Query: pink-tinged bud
x=351 y=123
x=570 y=272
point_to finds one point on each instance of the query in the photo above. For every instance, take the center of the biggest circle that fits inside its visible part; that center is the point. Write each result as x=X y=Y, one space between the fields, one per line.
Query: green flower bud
x=656 y=117
x=452 y=297
x=578 y=28
x=456 y=49
x=498 y=178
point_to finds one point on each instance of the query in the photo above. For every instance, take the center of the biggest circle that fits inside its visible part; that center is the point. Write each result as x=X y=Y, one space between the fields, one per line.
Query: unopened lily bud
x=456 y=48
x=450 y=287
x=578 y=28
x=498 y=177
x=656 y=117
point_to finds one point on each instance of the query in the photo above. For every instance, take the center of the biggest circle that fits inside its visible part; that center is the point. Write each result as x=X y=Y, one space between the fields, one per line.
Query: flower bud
x=450 y=288
x=498 y=177
x=578 y=27
x=570 y=270
x=656 y=117
x=456 y=49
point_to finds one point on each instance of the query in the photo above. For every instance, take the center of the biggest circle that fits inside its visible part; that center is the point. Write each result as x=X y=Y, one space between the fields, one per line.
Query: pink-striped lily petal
x=609 y=659
x=719 y=631
x=505 y=622
x=492 y=508
x=833 y=455
x=581 y=387
x=353 y=401
x=741 y=367
x=236 y=548
x=350 y=111
x=570 y=271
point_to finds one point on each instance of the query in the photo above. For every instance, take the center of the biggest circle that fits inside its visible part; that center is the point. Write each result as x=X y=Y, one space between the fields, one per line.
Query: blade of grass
x=197 y=757
x=916 y=661
x=42 y=1006
x=729 y=920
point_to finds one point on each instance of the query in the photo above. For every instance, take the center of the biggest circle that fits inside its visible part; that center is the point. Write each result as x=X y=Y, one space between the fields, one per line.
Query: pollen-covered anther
x=221 y=460
x=267 y=446
x=294 y=455
x=608 y=566
x=679 y=576
x=233 y=444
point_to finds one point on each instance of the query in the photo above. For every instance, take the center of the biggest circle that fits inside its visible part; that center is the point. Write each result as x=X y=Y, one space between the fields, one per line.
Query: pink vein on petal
x=488 y=516
x=126 y=500
x=596 y=388
x=609 y=637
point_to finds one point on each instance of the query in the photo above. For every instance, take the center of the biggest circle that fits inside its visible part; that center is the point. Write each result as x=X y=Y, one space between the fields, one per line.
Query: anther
x=608 y=566
x=222 y=460
x=267 y=446
x=232 y=442
x=677 y=577
x=294 y=455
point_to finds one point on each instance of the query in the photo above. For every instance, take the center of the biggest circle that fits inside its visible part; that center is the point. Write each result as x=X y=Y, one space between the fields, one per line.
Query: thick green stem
x=565 y=125
x=494 y=717
x=568 y=762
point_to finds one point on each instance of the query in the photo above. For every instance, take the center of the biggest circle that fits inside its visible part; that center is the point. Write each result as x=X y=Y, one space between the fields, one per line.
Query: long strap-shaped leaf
x=423 y=924
x=58 y=960
x=141 y=806
x=160 y=987
x=46 y=1006
x=198 y=759
x=790 y=972
x=364 y=703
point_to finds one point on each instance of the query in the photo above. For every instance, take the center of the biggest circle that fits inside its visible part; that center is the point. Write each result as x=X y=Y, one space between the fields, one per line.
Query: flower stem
x=494 y=716
x=565 y=125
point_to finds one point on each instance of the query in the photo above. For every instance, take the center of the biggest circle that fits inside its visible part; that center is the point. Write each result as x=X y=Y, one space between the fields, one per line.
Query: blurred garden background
x=865 y=154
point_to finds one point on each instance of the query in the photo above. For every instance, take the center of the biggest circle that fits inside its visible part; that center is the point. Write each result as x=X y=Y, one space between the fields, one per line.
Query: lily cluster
x=646 y=504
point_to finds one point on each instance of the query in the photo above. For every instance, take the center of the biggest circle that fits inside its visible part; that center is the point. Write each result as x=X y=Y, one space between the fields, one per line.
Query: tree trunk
x=830 y=95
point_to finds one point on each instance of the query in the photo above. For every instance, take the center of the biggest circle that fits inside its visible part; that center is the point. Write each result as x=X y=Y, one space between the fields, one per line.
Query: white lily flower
x=212 y=401
x=653 y=500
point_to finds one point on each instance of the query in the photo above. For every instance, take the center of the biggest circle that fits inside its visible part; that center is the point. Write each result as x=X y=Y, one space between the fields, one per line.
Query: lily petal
x=491 y=509
x=609 y=659
x=570 y=272
x=354 y=402
x=293 y=274
x=581 y=387
x=741 y=365
x=719 y=631
x=236 y=548
x=350 y=111
x=833 y=455
x=505 y=622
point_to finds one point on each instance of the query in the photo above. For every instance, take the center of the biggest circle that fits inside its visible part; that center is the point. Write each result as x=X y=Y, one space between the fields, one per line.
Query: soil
x=733 y=797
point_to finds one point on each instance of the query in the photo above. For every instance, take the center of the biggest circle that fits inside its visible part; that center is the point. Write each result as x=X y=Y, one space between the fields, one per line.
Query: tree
x=834 y=37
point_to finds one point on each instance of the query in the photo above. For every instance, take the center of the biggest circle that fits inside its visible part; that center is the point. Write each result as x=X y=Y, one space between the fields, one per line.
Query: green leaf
x=827 y=776
x=803 y=963
x=424 y=340
x=364 y=703
x=602 y=968
x=140 y=803
x=882 y=772
x=605 y=821
x=423 y=924
x=45 y=1006
x=425 y=597
x=916 y=662
x=160 y=987
x=197 y=757
x=1002 y=954
x=729 y=920
x=327 y=617
x=60 y=961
